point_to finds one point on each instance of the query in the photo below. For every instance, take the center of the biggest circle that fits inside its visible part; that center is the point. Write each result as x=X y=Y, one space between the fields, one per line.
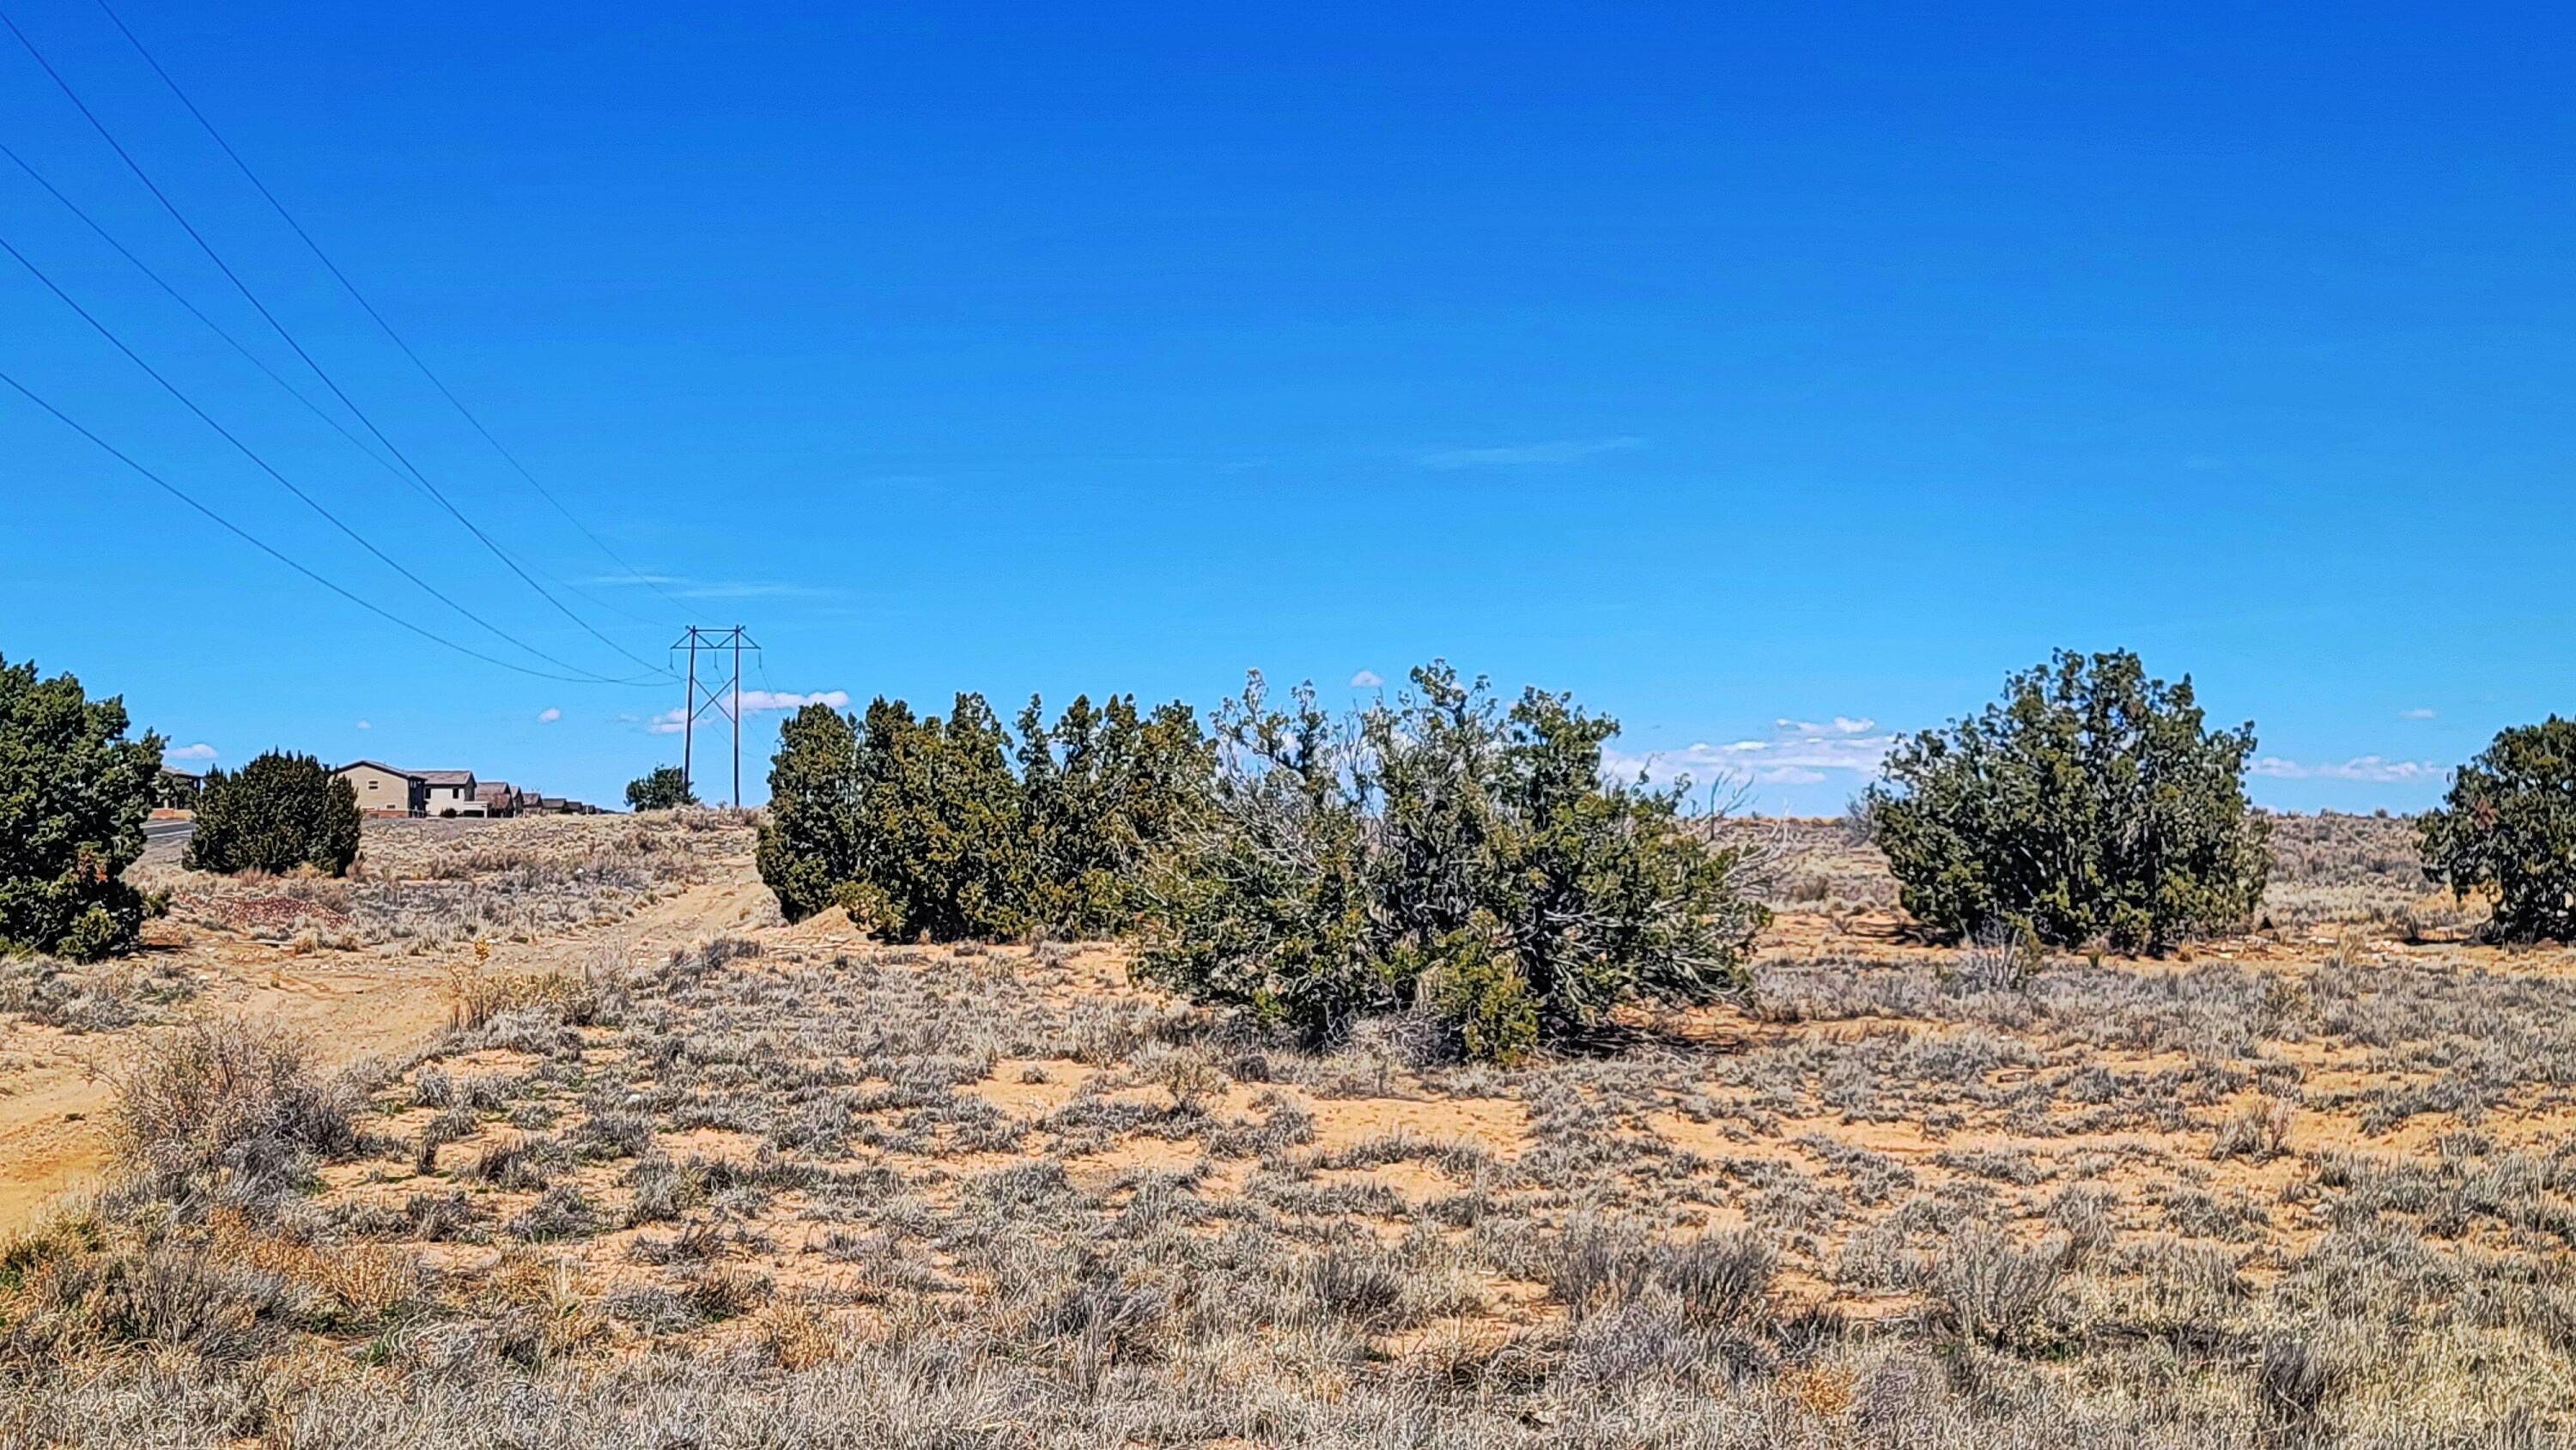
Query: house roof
x=494 y=790
x=379 y=765
x=444 y=777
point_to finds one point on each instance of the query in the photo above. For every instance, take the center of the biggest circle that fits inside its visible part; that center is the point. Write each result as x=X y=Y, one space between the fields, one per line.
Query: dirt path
x=55 y=1086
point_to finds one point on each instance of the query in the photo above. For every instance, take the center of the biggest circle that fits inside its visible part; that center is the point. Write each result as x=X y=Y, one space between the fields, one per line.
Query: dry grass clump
x=226 y=1109
x=94 y=996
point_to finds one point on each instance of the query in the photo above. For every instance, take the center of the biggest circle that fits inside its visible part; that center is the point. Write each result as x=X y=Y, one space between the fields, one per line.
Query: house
x=384 y=791
x=179 y=789
x=499 y=798
x=449 y=793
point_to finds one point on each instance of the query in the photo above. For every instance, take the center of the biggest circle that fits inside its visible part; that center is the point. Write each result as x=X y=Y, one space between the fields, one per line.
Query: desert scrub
x=2091 y=802
x=92 y=997
x=2508 y=828
x=226 y=1110
x=74 y=792
x=1439 y=843
x=281 y=812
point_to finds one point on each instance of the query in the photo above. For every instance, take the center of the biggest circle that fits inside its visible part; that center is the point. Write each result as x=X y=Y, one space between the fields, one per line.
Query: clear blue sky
x=1726 y=365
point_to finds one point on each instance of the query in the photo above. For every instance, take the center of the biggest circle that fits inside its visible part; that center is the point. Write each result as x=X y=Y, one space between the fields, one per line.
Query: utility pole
x=722 y=696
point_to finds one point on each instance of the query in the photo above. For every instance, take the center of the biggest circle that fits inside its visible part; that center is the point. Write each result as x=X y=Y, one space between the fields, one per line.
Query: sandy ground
x=55 y=1086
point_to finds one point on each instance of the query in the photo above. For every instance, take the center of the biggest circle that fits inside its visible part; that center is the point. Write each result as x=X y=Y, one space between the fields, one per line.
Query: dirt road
x=55 y=1087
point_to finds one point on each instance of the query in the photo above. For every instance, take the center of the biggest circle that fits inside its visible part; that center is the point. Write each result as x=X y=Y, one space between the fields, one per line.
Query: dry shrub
x=1981 y=1288
x=366 y=1284
x=1822 y=1390
x=2260 y=1130
x=476 y=994
x=227 y=1107
x=797 y=1335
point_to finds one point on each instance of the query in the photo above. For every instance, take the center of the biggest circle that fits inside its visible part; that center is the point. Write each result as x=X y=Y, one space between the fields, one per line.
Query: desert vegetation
x=795 y=1184
x=281 y=812
x=663 y=788
x=1322 y=1080
x=2508 y=831
x=74 y=791
x=2089 y=804
x=1435 y=852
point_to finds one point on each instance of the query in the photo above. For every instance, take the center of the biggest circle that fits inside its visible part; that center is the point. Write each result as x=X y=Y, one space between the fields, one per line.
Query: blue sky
x=1767 y=377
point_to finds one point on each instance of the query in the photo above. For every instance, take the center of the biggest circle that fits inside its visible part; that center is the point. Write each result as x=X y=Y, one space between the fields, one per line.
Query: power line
x=237 y=345
x=289 y=338
x=264 y=547
x=175 y=295
x=173 y=389
x=368 y=306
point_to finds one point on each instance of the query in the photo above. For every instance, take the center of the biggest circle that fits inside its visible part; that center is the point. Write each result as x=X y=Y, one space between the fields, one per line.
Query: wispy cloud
x=1796 y=752
x=549 y=715
x=1526 y=455
x=2374 y=768
x=754 y=702
x=366 y=724
x=2420 y=712
x=681 y=587
x=199 y=751
x=1367 y=680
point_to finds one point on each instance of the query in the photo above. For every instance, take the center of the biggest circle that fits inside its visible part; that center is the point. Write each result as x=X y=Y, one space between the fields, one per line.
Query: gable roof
x=379 y=765
x=444 y=777
x=493 y=790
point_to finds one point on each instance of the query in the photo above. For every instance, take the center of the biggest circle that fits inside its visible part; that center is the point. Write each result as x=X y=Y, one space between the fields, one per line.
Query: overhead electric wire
x=272 y=551
x=252 y=297
x=368 y=306
x=235 y=343
x=175 y=295
x=175 y=391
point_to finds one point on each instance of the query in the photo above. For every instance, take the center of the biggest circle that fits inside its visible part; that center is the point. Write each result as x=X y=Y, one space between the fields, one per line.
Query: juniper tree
x=663 y=788
x=2509 y=827
x=2089 y=802
x=809 y=837
x=279 y=812
x=1441 y=848
x=74 y=793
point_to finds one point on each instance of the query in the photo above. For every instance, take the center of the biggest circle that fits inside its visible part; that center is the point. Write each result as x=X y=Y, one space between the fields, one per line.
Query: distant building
x=178 y=788
x=384 y=791
x=449 y=793
x=499 y=798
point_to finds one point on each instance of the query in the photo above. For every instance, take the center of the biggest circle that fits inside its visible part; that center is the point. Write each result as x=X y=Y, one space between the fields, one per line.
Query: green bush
x=277 y=813
x=663 y=788
x=1472 y=983
x=1444 y=851
x=74 y=793
x=2090 y=802
x=2509 y=827
x=957 y=829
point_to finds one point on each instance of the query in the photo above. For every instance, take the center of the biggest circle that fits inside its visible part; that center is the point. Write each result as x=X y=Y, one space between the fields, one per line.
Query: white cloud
x=199 y=751
x=2418 y=713
x=670 y=721
x=1797 y=752
x=1367 y=680
x=366 y=724
x=2372 y=768
x=1524 y=455
x=549 y=715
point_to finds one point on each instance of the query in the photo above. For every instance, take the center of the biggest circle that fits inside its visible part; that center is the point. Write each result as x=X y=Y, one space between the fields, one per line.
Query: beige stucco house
x=449 y=793
x=383 y=790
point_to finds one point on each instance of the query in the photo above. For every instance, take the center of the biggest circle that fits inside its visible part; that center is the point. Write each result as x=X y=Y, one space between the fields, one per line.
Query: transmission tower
x=724 y=695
